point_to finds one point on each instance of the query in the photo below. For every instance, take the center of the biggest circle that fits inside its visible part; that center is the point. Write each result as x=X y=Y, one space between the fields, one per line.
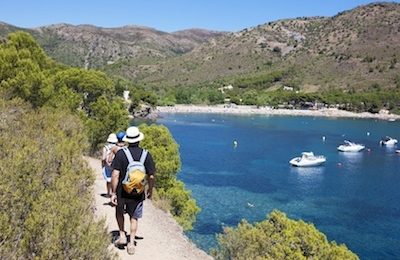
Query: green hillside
x=353 y=49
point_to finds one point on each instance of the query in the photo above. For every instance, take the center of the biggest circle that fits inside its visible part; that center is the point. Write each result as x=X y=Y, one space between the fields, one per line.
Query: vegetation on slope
x=26 y=72
x=171 y=194
x=278 y=237
x=45 y=187
x=50 y=115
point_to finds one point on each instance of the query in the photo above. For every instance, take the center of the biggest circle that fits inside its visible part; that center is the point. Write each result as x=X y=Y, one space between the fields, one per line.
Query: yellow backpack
x=135 y=177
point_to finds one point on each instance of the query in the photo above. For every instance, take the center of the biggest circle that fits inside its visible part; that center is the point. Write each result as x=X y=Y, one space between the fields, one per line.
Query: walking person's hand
x=114 y=201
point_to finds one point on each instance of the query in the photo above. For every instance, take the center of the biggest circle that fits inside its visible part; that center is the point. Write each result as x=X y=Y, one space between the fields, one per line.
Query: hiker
x=106 y=162
x=120 y=144
x=128 y=189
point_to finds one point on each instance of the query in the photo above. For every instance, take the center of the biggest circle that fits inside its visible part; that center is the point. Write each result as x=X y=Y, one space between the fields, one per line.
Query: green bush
x=278 y=237
x=45 y=187
x=165 y=151
x=27 y=73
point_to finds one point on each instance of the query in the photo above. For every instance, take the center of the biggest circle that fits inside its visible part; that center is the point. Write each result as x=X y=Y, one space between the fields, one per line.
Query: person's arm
x=114 y=184
x=103 y=157
x=151 y=180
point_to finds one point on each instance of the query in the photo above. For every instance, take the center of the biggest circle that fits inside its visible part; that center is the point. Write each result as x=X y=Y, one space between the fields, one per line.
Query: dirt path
x=162 y=236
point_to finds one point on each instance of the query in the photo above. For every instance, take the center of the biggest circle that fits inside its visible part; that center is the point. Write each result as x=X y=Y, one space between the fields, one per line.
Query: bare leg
x=134 y=225
x=120 y=220
x=108 y=188
x=131 y=245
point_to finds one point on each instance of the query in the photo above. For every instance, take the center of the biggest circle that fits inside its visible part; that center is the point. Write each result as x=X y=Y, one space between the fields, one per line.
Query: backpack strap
x=128 y=155
x=143 y=156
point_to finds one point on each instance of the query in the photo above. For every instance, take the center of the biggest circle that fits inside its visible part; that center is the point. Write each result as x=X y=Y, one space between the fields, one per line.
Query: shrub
x=278 y=237
x=165 y=151
x=45 y=188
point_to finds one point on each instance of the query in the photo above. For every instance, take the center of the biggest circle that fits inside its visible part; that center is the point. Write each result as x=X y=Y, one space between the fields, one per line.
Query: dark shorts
x=134 y=208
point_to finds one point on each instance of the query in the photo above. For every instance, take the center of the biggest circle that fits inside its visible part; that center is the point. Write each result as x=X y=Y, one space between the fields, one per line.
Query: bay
x=353 y=198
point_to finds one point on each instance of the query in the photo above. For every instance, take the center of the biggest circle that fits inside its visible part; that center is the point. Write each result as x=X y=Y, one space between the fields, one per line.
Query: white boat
x=308 y=159
x=350 y=147
x=397 y=151
x=388 y=141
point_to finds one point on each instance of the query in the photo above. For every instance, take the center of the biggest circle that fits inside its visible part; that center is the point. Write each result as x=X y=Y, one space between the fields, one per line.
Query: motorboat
x=388 y=141
x=308 y=159
x=398 y=151
x=350 y=147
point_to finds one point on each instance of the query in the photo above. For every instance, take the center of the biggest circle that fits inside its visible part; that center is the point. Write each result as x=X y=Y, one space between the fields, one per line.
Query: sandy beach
x=252 y=110
x=161 y=237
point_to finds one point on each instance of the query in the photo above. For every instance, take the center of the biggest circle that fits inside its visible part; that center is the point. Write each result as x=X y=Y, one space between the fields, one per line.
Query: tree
x=278 y=237
x=165 y=151
x=89 y=84
x=22 y=70
x=27 y=73
x=106 y=116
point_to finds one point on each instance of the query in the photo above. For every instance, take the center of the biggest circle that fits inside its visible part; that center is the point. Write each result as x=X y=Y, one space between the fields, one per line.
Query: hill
x=355 y=50
x=92 y=47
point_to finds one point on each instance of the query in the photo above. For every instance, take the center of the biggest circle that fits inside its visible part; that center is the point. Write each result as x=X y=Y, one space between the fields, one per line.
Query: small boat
x=397 y=151
x=250 y=205
x=388 y=141
x=308 y=159
x=350 y=147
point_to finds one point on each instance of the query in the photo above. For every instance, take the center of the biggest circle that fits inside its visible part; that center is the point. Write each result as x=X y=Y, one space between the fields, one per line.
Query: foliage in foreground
x=165 y=151
x=278 y=237
x=27 y=73
x=45 y=187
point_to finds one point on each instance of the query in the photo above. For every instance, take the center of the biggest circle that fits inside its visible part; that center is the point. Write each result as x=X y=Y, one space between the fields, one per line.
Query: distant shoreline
x=252 y=110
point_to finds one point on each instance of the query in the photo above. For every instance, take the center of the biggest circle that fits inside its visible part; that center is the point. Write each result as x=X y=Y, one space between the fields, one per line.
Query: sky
x=167 y=15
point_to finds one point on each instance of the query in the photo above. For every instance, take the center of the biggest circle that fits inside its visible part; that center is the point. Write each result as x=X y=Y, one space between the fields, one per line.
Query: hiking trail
x=162 y=237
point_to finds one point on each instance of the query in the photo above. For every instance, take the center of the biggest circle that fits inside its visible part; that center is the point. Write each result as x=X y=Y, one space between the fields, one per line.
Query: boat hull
x=351 y=149
x=301 y=163
x=389 y=143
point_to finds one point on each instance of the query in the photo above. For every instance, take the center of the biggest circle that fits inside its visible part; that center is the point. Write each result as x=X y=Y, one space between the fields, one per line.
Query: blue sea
x=354 y=198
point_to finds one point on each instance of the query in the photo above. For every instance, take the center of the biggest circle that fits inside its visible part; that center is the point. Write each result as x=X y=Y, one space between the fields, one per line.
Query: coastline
x=253 y=110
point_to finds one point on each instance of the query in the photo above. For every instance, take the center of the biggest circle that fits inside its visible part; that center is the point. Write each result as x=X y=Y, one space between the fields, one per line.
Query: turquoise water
x=354 y=198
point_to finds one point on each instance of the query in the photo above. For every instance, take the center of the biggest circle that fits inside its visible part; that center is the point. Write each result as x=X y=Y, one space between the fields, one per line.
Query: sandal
x=120 y=241
x=130 y=248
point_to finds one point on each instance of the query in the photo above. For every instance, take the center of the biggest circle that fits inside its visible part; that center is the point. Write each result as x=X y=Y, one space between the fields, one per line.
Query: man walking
x=128 y=191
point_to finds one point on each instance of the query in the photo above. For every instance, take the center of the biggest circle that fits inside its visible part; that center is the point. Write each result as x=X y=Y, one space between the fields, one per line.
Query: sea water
x=354 y=198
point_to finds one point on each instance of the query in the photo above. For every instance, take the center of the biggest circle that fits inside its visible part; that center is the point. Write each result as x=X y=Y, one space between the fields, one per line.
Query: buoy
x=323 y=138
x=235 y=143
x=367 y=133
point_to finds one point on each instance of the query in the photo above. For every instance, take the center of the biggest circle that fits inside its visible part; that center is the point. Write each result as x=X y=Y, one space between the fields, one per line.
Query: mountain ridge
x=355 y=49
x=91 y=46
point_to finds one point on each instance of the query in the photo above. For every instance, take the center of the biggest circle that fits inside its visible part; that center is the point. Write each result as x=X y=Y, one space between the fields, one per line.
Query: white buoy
x=367 y=133
x=235 y=143
x=323 y=138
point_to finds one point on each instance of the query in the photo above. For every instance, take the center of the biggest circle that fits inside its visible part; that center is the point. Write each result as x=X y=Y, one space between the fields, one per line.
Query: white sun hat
x=112 y=138
x=133 y=135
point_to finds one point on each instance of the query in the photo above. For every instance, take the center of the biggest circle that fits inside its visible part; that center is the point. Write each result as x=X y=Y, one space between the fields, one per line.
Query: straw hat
x=133 y=135
x=112 y=138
